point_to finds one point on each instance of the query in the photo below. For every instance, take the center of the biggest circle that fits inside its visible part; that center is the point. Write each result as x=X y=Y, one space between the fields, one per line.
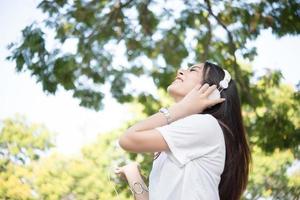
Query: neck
x=177 y=98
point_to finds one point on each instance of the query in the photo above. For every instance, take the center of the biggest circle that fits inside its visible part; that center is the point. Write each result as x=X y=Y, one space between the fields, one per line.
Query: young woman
x=200 y=142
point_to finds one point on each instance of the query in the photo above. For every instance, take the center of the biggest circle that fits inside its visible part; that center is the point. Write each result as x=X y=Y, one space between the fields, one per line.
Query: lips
x=178 y=78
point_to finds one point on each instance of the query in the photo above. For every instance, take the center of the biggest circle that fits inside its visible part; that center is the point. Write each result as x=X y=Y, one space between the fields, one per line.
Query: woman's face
x=185 y=81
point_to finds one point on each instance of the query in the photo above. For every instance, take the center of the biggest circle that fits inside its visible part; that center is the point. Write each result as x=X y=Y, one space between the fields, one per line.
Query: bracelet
x=166 y=113
x=142 y=188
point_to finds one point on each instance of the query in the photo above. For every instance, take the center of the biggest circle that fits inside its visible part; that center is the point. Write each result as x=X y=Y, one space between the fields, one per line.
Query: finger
x=216 y=101
x=204 y=88
x=210 y=90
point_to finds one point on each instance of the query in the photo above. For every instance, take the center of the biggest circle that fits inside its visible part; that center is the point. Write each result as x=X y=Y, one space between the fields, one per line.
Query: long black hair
x=234 y=178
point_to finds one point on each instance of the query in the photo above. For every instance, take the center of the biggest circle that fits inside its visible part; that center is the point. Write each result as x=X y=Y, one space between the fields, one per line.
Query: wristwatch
x=166 y=113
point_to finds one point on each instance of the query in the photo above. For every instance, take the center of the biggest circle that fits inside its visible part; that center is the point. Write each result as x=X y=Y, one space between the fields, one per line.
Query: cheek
x=181 y=88
x=189 y=85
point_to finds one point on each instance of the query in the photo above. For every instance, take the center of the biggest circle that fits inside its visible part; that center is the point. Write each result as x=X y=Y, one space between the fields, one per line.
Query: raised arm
x=142 y=137
x=132 y=174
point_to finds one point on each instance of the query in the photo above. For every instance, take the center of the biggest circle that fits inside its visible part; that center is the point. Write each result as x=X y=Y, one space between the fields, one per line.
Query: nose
x=180 y=72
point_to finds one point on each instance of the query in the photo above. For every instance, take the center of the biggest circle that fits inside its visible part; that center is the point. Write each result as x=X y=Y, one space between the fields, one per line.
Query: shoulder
x=205 y=122
x=197 y=121
x=201 y=118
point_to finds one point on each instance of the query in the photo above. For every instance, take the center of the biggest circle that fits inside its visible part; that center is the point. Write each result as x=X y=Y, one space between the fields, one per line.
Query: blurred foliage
x=269 y=177
x=275 y=121
x=157 y=39
x=20 y=145
x=166 y=35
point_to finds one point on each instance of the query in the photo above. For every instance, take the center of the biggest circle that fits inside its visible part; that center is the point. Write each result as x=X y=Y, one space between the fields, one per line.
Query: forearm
x=137 y=184
x=158 y=119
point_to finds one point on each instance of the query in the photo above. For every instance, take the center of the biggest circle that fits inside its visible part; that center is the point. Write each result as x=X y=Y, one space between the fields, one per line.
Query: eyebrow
x=195 y=66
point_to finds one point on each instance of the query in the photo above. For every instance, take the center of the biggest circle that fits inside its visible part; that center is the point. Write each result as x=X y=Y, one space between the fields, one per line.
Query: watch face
x=164 y=110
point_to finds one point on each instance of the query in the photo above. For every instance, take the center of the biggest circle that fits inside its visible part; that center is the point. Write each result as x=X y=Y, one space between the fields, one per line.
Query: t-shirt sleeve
x=191 y=137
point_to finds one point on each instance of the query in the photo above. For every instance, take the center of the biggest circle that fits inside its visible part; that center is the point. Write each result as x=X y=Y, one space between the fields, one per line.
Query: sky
x=61 y=113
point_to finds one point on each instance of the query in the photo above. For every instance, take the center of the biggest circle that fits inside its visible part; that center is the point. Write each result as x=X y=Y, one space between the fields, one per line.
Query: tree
x=20 y=144
x=274 y=122
x=269 y=177
x=162 y=34
x=195 y=31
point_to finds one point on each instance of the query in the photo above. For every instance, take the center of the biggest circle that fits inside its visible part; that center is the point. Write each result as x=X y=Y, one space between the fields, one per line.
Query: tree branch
x=207 y=43
x=232 y=49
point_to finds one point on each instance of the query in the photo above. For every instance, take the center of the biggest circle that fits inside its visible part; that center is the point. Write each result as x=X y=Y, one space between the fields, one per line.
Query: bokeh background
x=74 y=75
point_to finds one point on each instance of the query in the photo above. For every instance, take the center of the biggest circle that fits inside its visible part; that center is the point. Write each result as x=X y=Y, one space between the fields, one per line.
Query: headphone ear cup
x=215 y=95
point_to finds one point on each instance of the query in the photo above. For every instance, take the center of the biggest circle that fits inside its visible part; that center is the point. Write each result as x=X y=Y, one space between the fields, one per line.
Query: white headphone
x=216 y=94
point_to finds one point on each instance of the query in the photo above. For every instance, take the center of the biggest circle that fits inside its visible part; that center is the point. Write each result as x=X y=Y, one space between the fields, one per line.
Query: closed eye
x=194 y=68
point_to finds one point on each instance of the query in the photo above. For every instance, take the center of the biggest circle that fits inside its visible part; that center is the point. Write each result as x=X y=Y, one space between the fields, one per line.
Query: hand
x=132 y=167
x=197 y=99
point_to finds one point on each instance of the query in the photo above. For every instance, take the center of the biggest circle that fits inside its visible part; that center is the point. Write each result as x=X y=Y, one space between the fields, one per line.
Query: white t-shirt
x=192 y=168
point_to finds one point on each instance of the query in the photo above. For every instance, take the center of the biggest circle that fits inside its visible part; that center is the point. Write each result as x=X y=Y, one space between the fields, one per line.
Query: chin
x=174 y=91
